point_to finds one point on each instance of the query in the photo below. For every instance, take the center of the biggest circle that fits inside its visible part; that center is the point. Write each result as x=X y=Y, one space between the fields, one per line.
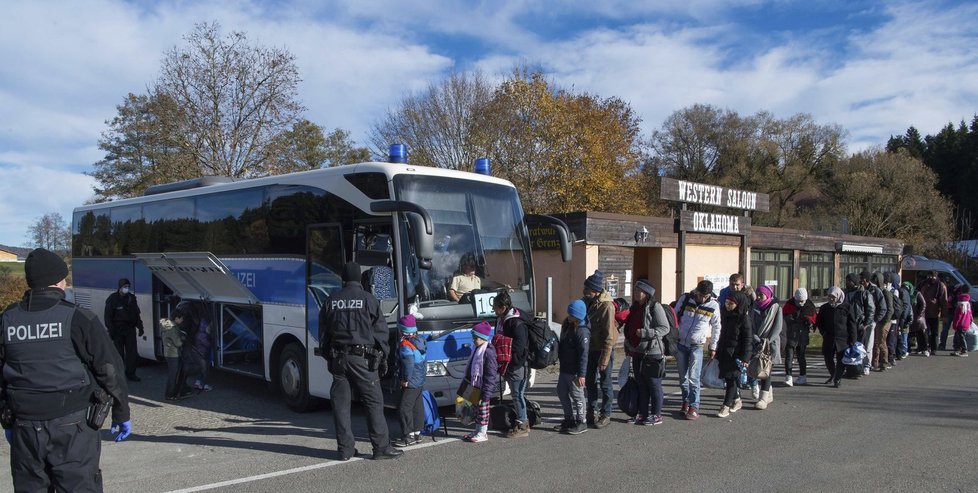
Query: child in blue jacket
x=411 y=358
x=572 y=351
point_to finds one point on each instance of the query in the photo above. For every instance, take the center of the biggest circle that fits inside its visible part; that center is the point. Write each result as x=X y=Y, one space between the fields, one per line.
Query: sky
x=875 y=68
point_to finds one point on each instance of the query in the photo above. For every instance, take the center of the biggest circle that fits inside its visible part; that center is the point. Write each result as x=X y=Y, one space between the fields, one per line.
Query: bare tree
x=51 y=232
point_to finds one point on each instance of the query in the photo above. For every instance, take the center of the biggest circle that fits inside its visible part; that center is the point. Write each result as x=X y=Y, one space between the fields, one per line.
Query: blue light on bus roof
x=398 y=153
x=482 y=166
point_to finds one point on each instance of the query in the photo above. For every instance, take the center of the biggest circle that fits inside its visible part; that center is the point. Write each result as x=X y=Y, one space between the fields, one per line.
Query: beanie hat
x=645 y=286
x=595 y=282
x=801 y=295
x=351 y=272
x=44 y=268
x=482 y=330
x=124 y=282
x=577 y=310
x=407 y=324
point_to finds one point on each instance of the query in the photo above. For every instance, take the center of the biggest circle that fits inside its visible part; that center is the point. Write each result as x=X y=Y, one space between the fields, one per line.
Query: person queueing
x=573 y=356
x=54 y=362
x=799 y=319
x=604 y=333
x=645 y=329
x=734 y=348
x=174 y=338
x=411 y=361
x=353 y=338
x=768 y=323
x=699 y=320
x=962 y=319
x=838 y=324
x=123 y=319
x=511 y=323
x=481 y=372
x=935 y=307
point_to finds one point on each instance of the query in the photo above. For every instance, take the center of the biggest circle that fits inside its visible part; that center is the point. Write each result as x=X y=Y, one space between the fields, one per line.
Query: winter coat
x=645 y=329
x=768 y=324
x=837 y=324
x=698 y=322
x=864 y=309
x=411 y=358
x=604 y=329
x=489 y=369
x=799 y=321
x=882 y=310
x=572 y=352
x=736 y=336
x=935 y=297
x=962 y=312
x=173 y=338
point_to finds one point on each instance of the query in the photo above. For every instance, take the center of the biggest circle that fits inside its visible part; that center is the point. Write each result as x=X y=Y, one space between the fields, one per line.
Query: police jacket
x=53 y=354
x=352 y=317
x=122 y=311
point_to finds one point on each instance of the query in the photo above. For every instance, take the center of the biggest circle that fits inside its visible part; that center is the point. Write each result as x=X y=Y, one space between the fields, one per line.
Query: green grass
x=16 y=268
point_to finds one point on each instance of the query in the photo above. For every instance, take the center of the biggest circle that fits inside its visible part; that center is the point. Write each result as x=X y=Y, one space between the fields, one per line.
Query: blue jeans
x=690 y=362
x=904 y=343
x=593 y=378
x=517 y=387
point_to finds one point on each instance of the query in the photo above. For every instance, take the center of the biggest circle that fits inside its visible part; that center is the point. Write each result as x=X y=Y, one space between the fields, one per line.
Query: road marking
x=295 y=470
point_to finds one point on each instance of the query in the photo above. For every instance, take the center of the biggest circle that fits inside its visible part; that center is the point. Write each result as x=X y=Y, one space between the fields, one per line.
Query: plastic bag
x=710 y=376
x=624 y=370
x=971 y=338
x=464 y=413
x=628 y=398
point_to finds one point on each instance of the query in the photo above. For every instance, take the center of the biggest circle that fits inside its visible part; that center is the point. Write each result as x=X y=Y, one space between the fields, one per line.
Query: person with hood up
x=799 y=319
x=935 y=297
x=962 y=319
x=837 y=323
x=734 y=348
x=768 y=323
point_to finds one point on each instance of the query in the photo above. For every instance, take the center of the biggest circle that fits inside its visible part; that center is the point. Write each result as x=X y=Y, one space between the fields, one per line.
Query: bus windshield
x=475 y=224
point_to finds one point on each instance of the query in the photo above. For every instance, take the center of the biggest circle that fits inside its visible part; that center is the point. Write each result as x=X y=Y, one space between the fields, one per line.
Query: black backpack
x=542 y=342
x=672 y=338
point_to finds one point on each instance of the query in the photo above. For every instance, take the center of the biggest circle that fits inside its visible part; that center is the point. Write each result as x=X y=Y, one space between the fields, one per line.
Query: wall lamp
x=641 y=235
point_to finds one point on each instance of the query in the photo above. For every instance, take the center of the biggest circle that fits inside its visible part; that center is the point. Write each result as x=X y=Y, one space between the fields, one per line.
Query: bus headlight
x=435 y=369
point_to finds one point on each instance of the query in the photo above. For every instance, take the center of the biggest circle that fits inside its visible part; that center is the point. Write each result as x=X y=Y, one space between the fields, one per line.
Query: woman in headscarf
x=837 y=324
x=799 y=319
x=734 y=348
x=768 y=323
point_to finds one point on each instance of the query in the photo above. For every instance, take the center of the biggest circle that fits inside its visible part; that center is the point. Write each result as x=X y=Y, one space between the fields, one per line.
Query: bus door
x=201 y=278
x=325 y=256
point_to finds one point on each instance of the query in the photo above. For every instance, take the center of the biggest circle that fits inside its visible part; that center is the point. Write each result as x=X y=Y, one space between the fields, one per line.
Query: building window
x=882 y=263
x=772 y=267
x=851 y=263
x=815 y=274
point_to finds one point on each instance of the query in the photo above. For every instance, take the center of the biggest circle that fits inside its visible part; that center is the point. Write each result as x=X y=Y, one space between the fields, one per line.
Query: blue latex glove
x=9 y=435
x=121 y=430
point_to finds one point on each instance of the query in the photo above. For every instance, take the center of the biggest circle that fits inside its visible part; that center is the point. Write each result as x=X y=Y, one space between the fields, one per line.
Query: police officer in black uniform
x=56 y=363
x=123 y=320
x=353 y=337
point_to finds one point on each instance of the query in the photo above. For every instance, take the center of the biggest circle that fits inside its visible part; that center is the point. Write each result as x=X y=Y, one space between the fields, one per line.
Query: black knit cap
x=351 y=272
x=124 y=282
x=44 y=268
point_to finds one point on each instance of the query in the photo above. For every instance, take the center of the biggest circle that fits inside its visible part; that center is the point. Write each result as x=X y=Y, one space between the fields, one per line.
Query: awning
x=197 y=276
x=859 y=248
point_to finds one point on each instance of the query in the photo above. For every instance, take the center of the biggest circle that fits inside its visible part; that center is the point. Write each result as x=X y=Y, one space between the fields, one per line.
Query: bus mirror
x=562 y=231
x=424 y=243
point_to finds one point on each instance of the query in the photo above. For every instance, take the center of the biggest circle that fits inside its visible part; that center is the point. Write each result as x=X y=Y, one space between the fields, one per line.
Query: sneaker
x=654 y=420
x=788 y=381
x=737 y=405
x=692 y=415
x=564 y=425
x=576 y=428
x=802 y=380
x=925 y=354
x=724 y=412
x=955 y=353
x=865 y=370
x=403 y=442
x=602 y=421
x=685 y=408
x=203 y=388
x=476 y=438
x=639 y=420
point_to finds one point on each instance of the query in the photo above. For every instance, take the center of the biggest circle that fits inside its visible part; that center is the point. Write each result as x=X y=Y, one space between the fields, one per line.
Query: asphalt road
x=909 y=429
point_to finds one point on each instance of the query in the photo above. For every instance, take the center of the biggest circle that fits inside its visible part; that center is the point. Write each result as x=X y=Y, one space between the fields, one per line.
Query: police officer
x=353 y=337
x=122 y=318
x=56 y=360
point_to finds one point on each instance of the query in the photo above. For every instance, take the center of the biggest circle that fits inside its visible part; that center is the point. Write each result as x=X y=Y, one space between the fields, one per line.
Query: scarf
x=475 y=365
x=768 y=297
x=840 y=296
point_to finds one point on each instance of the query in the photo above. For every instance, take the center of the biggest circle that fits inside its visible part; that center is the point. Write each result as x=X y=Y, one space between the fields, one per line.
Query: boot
x=519 y=431
x=767 y=396
x=481 y=434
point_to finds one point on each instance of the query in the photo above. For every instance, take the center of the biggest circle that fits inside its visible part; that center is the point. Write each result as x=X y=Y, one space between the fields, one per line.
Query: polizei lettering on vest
x=699 y=193
x=347 y=304
x=34 y=332
x=704 y=222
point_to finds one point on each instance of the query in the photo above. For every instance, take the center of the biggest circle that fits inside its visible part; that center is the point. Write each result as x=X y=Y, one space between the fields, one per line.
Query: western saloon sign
x=716 y=196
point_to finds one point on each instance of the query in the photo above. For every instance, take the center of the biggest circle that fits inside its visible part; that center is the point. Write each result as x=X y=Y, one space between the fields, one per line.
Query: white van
x=915 y=268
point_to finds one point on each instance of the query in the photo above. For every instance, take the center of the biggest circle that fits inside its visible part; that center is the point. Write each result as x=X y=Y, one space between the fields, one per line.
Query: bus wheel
x=292 y=379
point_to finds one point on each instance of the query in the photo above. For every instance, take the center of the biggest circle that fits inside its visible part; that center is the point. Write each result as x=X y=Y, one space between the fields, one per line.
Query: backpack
x=502 y=417
x=504 y=352
x=668 y=341
x=621 y=311
x=897 y=305
x=432 y=418
x=542 y=342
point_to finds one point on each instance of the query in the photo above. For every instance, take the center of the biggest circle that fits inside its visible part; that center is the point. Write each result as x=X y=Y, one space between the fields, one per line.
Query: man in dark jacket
x=353 y=337
x=55 y=358
x=123 y=320
x=604 y=333
x=884 y=317
x=935 y=308
x=862 y=306
x=837 y=324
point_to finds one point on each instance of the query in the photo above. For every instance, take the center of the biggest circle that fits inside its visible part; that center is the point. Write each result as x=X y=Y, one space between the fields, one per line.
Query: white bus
x=256 y=259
